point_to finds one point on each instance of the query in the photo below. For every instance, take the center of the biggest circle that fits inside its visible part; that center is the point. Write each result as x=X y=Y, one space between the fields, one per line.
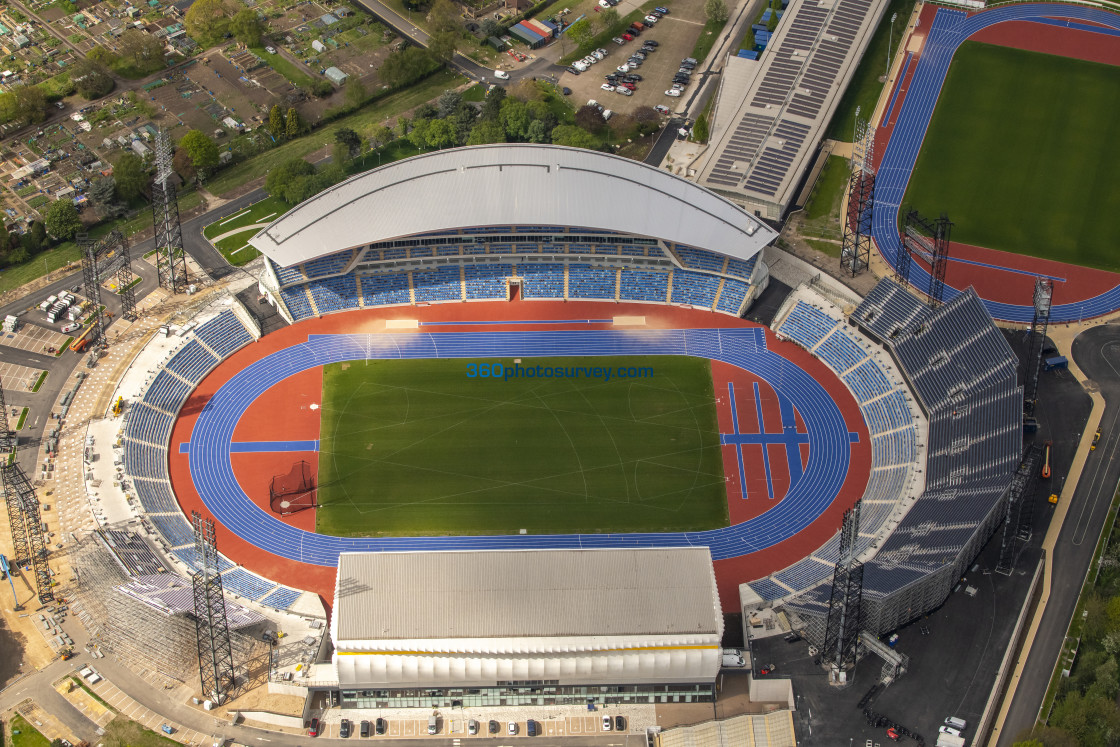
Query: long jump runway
x=828 y=437
x=950 y=29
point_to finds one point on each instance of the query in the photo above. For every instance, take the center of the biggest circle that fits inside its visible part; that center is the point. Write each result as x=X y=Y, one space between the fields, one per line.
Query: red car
x=314 y=730
x=626 y=84
x=627 y=37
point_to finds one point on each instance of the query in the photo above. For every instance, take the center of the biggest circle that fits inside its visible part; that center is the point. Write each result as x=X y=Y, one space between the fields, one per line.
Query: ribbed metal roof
x=525 y=593
x=496 y=185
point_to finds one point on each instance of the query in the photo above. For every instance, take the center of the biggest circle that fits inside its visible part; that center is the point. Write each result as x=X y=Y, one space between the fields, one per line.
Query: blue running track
x=951 y=28
x=828 y=436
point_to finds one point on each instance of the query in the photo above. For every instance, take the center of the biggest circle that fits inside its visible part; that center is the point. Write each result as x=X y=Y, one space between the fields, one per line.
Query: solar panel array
x=798 y=77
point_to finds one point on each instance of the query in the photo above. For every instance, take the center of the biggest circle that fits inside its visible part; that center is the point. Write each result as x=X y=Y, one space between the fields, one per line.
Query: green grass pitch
x=1022 y=154
x=417 y=448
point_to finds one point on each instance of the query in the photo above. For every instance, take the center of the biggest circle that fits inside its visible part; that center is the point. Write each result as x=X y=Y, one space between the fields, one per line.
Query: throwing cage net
x=293 y=492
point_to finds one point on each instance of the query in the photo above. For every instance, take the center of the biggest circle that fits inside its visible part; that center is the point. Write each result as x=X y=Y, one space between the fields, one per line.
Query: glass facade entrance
x=526 y=694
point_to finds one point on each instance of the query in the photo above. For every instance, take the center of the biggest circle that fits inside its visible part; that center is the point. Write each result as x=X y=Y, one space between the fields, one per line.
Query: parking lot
x=18 y=378
x=676 y=34
x=33 y=338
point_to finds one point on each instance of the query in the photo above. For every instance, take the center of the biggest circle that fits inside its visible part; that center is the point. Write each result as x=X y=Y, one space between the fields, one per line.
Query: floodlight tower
x=841 y=636
x=855 y=252
x=1043 y=295
x=215 y=651
x=171 y=261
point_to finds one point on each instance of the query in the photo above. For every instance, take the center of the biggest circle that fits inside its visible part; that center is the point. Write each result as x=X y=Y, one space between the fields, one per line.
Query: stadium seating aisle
x=542 y=280
x=155 y=496
x=732 y=297
x=840 y=351
x=694 y=288
x=147 y=424
x=806 y=325
x=590 y=281
x=167 y=392
x=295 y=298
x=487 y=281
x=335 y=294
x=641 y=285
x=192 y=361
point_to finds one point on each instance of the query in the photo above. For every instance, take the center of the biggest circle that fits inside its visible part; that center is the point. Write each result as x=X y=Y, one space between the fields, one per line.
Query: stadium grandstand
x=146 y=434
x=515 y=222
x=963 y=376
x=770 y=114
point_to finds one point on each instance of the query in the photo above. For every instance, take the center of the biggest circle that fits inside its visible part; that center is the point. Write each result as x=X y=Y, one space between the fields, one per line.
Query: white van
x=733 y=658
x=956 y=723
x=433 y=724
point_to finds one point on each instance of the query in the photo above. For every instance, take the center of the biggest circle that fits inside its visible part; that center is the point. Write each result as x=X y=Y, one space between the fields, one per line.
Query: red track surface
x=285 y=412
x=1015 y=284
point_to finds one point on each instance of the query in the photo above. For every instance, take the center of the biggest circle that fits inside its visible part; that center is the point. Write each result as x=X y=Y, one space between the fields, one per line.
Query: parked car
x=598 y=55
x=531 y=728
x=627 y=85
x=651 y=20
x=380 y=726
x=70 y=327
x=606 y=723
x=673 y=92
x=495 y=727
x=623 y=68
x=662 y=109
x=472 y=727
x=344 y=729
x=574 y=70
x=663 y=11
x=512 y=728
x=501 y=75
x=619 y=723
x=364 y=730
x=313 y=731
x=651 y=42
x=618 y=40
x=566 y=91
x=627 y=37
x=607 y=87
x=270 y=50
x=624 y=91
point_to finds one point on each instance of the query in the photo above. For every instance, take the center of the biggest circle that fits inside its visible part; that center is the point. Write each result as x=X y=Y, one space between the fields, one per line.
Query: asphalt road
x=1097 y=353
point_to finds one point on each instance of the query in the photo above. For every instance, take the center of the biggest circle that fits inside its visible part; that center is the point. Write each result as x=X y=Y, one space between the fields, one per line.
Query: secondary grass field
x=1022 y=154
x=418 y=448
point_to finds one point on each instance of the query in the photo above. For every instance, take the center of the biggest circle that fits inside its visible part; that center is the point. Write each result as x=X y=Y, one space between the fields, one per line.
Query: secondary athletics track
x=812 y=419
x=1080 y=293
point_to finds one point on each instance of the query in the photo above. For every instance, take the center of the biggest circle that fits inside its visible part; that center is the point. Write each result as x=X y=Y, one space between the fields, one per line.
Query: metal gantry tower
x=841 y=635
x=171 y=261
x=1018 y=523
x=930 y=241
x=215 y=651
x=855 y=252
x=1043 y=295
x=105 y=258
x=29 y=545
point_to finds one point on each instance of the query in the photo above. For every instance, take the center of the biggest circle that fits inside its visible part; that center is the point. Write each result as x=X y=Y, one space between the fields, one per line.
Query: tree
x=405 y=66
x=183 y=165
x=441 y=134
x=486 y=131
x=772 y=23
x=91 y=79
x=276 y=121
x=293 y=123
x=62 y=219
x=715 y=11
x=647 y=119
x=130 y=176
x=355 y=92
x=38 y=234
x=246 y=27
x=581 y=32
x=700 y=129
x=490 y=27
x=448 y=103
x=140 y=54
x=492 y=104
x=30 y=104
x=382 y=135
x=425 y=110
x=278 y=179
x=103 y=194
x=403 y=125
x=350 y=140
x=608 y=19
x=515 y=119
x=208 y=20
x=102 y=56
x=589 y=118
x=419 y=134
x=442 y=46
x=538 y=131
x=573 y=136
x=202 y=150
x=444 y=16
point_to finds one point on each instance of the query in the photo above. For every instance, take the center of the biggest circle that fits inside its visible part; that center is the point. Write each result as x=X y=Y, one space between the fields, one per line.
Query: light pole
x=890 y=41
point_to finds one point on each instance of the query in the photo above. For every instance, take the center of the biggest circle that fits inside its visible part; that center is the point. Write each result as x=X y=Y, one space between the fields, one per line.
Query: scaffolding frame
x=930 y=241
x=840 y=651
x=1043 y=295
x=1019 y=520
x=171 y=260
x=215 y=651
x=855 y=251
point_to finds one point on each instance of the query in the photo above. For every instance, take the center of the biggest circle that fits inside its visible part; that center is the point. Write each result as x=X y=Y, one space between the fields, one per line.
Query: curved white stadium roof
x=511 y=184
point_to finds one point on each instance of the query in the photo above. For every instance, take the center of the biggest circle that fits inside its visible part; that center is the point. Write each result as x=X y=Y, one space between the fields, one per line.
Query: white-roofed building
x=497 y=222
x=526 y=626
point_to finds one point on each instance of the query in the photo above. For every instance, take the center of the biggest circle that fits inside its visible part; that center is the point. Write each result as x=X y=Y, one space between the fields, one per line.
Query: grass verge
x=28 y=735
x=126 y=731
x=821 y=217
x=363 y=122
x=91 y=693
x=707 y=39
x=236 y=248
x=632 y=453
x=864 y=89
x=267 y=209
x=39 y=381
x=22 y=419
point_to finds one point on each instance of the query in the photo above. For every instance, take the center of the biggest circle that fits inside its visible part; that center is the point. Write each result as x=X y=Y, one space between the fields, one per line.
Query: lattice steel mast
x=841 y=636
x=930 y=241
x=855 y=252
x=1043 y=295
x=1019 y=519
x=171 y=261
x=29 y=546
x=215 y=652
